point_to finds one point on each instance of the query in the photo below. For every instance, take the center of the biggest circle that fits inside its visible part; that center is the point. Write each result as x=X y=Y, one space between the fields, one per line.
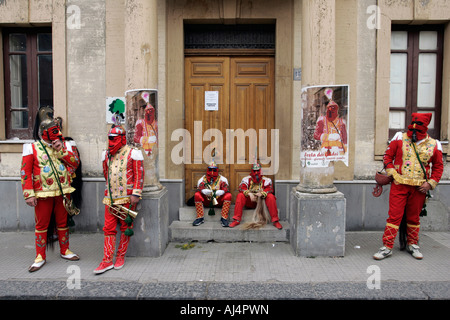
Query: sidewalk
x=224 y=271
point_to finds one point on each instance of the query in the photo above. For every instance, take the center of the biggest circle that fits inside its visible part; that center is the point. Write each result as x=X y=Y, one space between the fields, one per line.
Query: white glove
x=220 y=193
x=206 y=192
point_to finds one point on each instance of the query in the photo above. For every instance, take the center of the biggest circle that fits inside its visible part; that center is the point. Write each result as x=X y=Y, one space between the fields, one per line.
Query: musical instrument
x=381 y=179
x=121 y=212
x=72 y=210
x=214 y=200
x=212 y=197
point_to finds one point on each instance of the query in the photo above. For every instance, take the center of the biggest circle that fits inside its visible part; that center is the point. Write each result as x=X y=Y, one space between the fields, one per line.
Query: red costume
x=331 y=131
x=123 y=169
x=147 y=130
x=410 y=186
x=212 y=187
x=47 y=167
x=258 y=185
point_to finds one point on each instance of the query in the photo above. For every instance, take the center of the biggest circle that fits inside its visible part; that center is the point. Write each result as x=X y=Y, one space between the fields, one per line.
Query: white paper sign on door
x=211 y=100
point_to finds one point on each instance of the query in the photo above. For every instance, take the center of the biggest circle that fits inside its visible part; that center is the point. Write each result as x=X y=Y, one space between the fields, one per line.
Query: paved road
x=229 y=272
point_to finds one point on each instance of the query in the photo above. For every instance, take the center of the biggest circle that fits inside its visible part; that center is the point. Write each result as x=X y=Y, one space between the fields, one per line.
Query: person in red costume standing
x=46 y=170
x=212 y=186
x=251 y=187
x=412 y=180
x=123 y=169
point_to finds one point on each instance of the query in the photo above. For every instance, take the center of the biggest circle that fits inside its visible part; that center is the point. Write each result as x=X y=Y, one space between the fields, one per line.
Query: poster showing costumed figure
x=325 y=111
x=142 y=128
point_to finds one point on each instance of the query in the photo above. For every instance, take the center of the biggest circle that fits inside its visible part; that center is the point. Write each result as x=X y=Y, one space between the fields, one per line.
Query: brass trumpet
x=121 y=212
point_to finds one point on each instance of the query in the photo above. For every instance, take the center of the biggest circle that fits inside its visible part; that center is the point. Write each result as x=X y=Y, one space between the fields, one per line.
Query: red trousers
x=110 y=227
x=42 y=215
x=44 y=209
x=242 y=200
x=223 y=201
x=200 y=197
x=403 y=199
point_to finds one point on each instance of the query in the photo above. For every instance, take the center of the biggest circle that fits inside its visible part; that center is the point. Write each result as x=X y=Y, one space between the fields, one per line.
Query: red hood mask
x=115 y=144
x=256 y=176
x=418 y=128
x=212 y=173
x=332 y=111
x=116 y=139
x=149 y=114
x=52 y=134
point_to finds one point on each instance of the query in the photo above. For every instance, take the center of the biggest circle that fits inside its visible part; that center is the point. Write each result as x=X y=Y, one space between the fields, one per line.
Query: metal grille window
x=416 y=76
x=219 y=36
x=28 y=77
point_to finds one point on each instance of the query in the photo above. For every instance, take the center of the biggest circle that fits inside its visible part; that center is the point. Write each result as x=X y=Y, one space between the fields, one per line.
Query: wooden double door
x=244 y=91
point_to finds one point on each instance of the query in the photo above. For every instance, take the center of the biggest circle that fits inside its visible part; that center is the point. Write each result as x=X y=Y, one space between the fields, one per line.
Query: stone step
x=213 y=231
x=189 y=214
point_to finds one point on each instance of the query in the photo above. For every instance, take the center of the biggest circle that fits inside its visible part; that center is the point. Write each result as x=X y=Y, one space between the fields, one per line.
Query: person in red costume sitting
x=251 y=187
x=212 y=186
x=414 y=160
x=123 y=168
x=46 y=170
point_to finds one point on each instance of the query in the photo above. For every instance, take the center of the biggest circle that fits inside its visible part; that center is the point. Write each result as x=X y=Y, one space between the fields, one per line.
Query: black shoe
x=224 y=222
x=198 y=221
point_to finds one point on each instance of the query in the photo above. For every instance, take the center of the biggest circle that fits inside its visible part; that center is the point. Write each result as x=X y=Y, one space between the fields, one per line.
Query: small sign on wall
x=211 y=100
x=297 y=74
x=115 y=107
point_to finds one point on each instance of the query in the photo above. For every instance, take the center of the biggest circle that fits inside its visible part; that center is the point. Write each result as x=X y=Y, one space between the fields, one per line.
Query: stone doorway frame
x=281 y=14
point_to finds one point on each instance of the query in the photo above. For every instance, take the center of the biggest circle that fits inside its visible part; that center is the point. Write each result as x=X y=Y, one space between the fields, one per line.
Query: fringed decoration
x=260 y=217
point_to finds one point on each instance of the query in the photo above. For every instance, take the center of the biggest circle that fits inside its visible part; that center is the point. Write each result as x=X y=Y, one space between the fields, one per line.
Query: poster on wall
x=211 y=100
x=325 y=111
x=115 y=108
x=141 y=120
